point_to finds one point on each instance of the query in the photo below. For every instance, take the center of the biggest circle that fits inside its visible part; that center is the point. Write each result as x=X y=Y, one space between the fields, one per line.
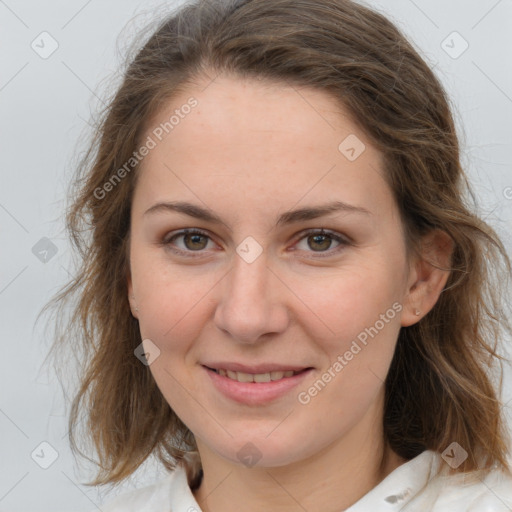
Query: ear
x=131 y=297
x=429 y=273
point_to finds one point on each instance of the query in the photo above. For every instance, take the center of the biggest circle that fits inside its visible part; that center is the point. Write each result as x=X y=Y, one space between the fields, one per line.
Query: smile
x=255 y=377
x=255 y=389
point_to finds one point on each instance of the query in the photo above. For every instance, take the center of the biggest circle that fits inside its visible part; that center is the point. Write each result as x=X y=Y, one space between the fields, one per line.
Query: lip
x=255 y=393
x=254 y=368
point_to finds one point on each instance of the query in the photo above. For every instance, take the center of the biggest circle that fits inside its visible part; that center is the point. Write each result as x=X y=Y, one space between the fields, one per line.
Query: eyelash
x=343 y=241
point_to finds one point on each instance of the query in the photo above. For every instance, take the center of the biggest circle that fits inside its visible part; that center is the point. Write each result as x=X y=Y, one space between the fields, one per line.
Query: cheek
x=343 y=305
x=364 y=322
x=172 y=314
x=171 y=299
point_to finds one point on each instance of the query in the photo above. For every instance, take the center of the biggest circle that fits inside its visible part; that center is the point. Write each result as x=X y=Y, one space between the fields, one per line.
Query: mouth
x=256 y=385
x=256 y=377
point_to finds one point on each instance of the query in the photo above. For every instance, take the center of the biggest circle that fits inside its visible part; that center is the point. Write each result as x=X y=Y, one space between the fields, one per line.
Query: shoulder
x=151 y=498
x=492 y=493
x=485 y=492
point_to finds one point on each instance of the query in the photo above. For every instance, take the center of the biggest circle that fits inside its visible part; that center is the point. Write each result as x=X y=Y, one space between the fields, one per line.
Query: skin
x=249 y=151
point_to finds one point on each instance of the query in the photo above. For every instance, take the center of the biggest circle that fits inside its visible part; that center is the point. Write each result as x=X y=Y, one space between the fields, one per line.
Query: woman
x=286 y=296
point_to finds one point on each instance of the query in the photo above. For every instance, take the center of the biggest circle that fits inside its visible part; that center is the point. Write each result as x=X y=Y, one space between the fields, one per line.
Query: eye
x=196 y=241
x=321 y=241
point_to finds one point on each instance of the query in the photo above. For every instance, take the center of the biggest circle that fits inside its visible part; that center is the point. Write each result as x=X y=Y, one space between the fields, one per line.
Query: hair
x=440 y=387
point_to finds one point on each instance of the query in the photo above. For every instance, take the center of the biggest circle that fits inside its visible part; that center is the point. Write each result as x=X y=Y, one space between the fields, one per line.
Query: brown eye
x=191 y=241
x=194 y=241
x=320 y=241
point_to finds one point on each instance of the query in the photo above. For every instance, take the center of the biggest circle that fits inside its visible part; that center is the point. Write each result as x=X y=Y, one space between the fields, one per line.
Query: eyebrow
x=290 y=217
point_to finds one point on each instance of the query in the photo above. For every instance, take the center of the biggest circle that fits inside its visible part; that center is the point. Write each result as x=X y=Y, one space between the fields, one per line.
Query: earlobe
x=430 y=272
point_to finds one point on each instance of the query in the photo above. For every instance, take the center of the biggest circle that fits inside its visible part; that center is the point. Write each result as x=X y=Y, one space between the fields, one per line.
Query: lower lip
x=255 y=393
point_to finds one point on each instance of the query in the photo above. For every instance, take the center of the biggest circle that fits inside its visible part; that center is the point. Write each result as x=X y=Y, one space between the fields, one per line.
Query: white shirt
x=409 y=488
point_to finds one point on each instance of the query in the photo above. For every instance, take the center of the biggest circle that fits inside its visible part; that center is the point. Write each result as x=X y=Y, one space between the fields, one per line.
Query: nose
x=251 y=302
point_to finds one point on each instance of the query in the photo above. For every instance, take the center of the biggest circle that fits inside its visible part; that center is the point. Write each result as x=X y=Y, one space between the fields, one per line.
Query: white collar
x=390 y=495
x=400 y=486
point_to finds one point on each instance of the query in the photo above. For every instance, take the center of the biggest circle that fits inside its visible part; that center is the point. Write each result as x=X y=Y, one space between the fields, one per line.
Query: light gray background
x=44 y=108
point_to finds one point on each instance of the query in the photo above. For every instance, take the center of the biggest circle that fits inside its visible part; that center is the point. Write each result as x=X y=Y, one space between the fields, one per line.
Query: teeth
x=244 y=377
x=262 y=377
x=258 y=377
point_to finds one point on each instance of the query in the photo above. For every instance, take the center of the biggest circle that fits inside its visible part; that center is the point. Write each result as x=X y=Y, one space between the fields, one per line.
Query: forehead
x=236 y=110
x=272 y=140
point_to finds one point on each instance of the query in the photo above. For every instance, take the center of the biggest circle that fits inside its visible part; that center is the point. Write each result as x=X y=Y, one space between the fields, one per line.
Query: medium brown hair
x=439 y=388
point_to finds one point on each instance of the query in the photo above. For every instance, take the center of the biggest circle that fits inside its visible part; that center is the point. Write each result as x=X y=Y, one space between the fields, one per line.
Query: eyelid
x=187 y=231
x=342 y=239
x=166 y=242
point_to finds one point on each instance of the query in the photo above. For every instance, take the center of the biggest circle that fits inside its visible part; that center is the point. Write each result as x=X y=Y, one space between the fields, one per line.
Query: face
x=253 y=276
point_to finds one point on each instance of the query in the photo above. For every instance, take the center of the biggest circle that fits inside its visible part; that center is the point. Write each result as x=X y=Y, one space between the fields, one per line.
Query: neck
x=333 y=479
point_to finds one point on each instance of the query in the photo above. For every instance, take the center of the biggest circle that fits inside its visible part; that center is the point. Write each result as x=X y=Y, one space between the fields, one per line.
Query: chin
x=261 y=451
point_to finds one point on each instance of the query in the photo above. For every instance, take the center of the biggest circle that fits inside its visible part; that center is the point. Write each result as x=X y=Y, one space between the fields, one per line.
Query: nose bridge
x=248 y=306
x=250 y=281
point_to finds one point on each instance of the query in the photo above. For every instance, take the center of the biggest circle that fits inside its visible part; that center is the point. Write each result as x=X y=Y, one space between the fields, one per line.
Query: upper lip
x=254 y=368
